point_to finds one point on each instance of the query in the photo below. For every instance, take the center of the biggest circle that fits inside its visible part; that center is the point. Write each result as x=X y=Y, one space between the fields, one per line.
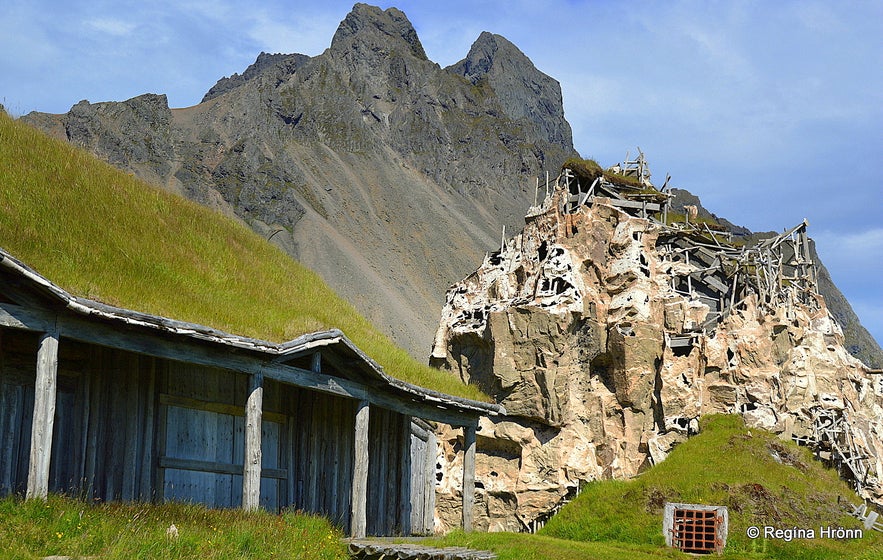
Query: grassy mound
x=762 y=480
x=100 y=233
x=66 y=527
x=587 y=170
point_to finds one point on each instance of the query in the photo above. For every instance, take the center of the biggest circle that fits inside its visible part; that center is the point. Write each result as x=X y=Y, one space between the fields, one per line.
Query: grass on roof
x=587 y=170
x=102 y=234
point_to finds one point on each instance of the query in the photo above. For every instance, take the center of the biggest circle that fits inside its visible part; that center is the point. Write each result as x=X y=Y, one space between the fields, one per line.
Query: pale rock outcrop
x=605 y=346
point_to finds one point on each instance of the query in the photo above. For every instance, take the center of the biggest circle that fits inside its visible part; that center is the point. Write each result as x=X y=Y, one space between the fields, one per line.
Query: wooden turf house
x=112 y=404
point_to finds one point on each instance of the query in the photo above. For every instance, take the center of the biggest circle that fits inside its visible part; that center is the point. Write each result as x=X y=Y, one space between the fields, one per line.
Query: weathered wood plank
x=405 y=468
x=333 y=457
x=132 y=451
x=162 y=412
x=429 y=498
x=291 y=429
x=93 y=427
x=358 y=523
x=10 y=412
x=347 y=450
x=468 y=476
x=384 y=475
x=215 y=467
x=220 y=408
x=18 y=317
x=44 y=416
x=146 y=483
x=251 y=474
x=623 y=203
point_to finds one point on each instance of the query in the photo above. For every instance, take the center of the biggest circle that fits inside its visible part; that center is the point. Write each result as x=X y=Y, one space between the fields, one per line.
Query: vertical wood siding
x=321 y=454
x=389 y=473
x=132 y=427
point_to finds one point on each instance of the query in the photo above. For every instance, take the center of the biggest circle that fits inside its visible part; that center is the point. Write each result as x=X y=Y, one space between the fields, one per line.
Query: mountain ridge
x=385 y=173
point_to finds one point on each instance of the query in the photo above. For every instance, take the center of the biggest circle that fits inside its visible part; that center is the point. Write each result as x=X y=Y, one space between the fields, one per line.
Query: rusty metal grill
x=696 y=531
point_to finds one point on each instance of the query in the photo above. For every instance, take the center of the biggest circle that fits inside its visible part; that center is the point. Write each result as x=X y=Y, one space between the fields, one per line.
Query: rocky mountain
x=606 y=331
x=369 y=163
x=387 y=174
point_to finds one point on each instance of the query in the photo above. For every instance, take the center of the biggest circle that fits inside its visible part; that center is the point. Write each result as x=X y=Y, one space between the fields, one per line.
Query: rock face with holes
x=580 y=328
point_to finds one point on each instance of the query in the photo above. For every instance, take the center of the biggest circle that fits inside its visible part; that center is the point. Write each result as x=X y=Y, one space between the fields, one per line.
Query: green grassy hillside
x=100 y=233
x=762 y=480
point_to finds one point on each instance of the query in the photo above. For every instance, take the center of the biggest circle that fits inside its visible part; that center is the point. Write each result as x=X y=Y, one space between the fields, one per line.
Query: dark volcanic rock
x=525 y=93
x=282 y=63
x=140 y=133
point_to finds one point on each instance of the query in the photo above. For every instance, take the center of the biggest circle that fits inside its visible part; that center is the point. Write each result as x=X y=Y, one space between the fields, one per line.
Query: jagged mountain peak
x=286 y=63
x=369 y=163
x=488 y=53
x=525 y=93
x=378 y=30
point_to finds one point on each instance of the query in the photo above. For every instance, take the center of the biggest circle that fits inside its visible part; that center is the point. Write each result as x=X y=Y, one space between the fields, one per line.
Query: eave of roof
x=302 y=344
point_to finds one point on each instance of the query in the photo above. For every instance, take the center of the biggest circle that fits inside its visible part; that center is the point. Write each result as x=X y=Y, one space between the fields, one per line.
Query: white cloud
x=858 y=251
x=111 y=26
x=301 y=33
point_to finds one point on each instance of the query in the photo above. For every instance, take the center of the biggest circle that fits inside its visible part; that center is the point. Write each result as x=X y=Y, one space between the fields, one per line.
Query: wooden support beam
x=623 y=203
x=429 y=498
x=468 y=476
x=359 y=520
x=251 y=471
x=216 y=467
x=180 y=348
x=44 y=416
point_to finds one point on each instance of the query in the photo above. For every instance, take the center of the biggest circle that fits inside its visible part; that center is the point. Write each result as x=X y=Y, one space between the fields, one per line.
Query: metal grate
x=696 y=531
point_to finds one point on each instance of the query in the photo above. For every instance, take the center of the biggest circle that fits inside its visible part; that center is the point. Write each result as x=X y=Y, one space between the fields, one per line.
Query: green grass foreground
x=66 y=527
x=102 y=234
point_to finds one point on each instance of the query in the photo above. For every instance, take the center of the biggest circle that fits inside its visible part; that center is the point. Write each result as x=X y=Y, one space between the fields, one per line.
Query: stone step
x=365 y=549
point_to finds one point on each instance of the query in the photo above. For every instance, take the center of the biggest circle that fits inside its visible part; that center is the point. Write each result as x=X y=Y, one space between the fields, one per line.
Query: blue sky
x=771 y=112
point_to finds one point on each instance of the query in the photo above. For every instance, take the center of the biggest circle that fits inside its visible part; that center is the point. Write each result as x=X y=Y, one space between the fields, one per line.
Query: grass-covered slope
x=63 y=527
x=762 y=480
x=100 y=233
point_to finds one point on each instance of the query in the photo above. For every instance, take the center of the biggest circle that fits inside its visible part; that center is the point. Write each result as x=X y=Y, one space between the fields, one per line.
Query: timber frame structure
x=705 y=264
x=112 y=404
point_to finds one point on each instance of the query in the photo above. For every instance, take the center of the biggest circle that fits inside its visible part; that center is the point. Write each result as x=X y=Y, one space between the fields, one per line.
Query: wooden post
x=468 y=476
x=251 y=475
x=359 y=520
x=429 y=499
x=44 y=416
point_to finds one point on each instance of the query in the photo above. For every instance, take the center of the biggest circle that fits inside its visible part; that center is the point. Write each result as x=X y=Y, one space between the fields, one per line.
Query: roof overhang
x=89 y=321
